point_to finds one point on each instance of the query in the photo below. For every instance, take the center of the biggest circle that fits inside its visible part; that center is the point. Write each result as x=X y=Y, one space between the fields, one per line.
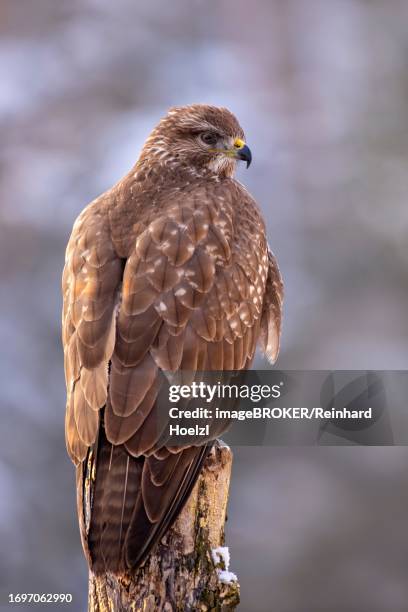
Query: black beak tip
x=246 y=155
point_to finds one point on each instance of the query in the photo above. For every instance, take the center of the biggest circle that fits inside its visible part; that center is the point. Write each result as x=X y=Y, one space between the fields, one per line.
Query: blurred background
x=321 y=89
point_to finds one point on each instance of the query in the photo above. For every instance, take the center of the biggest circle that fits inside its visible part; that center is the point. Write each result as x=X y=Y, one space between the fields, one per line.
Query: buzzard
x=169 y=270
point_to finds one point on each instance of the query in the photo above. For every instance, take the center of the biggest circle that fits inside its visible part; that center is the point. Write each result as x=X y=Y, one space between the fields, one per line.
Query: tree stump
x=188 y=570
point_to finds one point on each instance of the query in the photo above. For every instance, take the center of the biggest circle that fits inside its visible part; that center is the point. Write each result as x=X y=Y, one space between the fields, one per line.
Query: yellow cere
x=238 y=143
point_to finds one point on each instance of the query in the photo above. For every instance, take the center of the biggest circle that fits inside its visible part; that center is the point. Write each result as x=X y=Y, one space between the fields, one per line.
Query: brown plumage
x=168 y=270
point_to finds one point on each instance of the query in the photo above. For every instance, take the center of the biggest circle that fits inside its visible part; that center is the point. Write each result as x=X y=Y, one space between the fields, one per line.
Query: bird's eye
x=209 y=138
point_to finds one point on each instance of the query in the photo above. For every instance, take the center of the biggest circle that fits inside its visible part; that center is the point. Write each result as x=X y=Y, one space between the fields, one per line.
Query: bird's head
x=198 y=138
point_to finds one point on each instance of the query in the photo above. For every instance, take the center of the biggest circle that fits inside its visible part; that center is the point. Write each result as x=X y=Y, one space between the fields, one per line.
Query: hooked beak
x=242 y=151
x=244 y=154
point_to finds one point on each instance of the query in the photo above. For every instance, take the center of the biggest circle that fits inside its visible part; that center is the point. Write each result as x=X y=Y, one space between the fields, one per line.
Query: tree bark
x=188 y=570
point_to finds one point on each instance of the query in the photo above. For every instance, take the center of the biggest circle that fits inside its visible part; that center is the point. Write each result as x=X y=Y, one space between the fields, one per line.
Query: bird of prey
x=169 y=270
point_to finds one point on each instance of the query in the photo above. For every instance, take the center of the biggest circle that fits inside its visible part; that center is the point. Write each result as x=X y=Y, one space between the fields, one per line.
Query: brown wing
x=191 y=300
x=90 y=285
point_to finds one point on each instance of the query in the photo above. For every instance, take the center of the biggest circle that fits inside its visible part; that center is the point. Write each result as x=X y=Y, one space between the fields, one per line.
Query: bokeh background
x=321 y=88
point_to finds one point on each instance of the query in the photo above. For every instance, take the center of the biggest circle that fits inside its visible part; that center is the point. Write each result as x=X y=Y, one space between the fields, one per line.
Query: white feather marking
x=180 y=292
x=110 y=459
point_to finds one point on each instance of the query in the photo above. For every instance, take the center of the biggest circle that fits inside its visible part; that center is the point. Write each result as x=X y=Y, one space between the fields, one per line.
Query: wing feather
x=272 y=311
x=90 y=286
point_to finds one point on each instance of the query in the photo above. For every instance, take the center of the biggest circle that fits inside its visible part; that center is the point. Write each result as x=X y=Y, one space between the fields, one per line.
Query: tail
x=126 y=504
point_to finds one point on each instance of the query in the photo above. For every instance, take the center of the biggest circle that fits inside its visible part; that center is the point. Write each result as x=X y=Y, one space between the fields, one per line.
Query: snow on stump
x=189 y=569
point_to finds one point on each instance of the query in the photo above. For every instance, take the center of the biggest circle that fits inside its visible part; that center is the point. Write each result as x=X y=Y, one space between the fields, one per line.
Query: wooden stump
x=188 y=570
